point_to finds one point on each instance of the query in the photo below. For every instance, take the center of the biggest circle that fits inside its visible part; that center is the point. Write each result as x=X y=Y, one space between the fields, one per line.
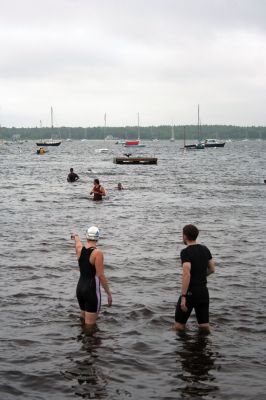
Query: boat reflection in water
x=197 y=360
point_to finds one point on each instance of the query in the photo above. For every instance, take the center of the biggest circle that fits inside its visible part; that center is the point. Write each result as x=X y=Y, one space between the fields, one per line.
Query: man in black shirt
x=197 y=264
x=72 y=177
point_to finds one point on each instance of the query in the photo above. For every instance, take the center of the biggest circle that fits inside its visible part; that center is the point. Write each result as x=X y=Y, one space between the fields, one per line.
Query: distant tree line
x=162 y=132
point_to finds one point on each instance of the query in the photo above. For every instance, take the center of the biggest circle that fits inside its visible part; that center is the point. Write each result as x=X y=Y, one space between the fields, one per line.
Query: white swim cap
x=93 y=233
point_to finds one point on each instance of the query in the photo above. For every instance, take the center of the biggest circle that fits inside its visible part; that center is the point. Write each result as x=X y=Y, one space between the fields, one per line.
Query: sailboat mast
x=104 y=125
x=198 y=125
x=138 y=128
x=52 y=117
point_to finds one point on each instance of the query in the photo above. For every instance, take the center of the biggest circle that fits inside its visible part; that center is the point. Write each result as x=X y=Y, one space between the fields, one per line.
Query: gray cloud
x=156 y=57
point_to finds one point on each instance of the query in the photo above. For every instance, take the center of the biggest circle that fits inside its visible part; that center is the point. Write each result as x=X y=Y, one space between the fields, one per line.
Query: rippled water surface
x=133 y=353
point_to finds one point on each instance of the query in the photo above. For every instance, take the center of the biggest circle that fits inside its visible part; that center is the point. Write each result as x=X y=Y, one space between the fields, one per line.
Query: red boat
x=131 y=142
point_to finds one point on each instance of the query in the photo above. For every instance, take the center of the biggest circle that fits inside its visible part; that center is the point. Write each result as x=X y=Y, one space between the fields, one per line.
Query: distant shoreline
x=162 y=132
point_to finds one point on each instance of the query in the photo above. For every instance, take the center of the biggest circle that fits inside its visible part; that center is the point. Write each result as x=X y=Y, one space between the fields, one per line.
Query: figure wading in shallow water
x=197 y=264
x=91 y=265
x=72 y=176
x=98 y=191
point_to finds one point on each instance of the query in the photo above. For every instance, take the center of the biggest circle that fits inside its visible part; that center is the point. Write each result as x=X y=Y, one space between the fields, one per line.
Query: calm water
x=133 y=353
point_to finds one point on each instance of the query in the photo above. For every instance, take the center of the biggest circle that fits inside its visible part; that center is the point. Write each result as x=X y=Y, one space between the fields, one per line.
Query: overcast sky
x=158 y=58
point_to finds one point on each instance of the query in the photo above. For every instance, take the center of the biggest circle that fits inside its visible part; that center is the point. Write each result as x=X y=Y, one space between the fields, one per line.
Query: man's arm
x=185 y=284
x=185 y=277
x=99 y=265
x=211 y=267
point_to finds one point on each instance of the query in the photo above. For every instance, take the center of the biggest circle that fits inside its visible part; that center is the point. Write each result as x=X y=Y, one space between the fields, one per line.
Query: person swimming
x=98 y=191
x=72 y=176
x=119 y=186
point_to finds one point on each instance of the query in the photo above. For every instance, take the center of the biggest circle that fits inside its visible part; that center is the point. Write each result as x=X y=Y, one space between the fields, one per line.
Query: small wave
x=142 y=347
x=7 y=390
x=143 y=312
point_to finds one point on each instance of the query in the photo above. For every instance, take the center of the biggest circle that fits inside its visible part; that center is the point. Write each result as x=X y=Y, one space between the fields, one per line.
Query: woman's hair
x=191 y=232
x=96 y=181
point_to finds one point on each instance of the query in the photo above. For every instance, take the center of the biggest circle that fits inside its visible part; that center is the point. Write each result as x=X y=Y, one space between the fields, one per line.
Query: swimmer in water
x=98 y=191
x=197 y=264
x=91 y=265
x=72 y=177
x=119 y=186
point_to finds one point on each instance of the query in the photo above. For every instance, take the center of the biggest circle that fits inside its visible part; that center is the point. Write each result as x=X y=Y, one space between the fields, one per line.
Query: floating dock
x=135 y=160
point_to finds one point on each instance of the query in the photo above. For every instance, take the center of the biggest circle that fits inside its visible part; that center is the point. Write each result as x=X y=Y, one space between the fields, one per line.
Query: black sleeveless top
x=87 y=270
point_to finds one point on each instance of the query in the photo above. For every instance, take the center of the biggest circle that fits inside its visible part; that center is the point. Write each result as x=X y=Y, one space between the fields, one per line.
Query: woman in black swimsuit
x=91 y=265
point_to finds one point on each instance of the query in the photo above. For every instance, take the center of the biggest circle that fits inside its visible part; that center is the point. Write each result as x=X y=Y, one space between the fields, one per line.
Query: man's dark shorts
x=198 y=299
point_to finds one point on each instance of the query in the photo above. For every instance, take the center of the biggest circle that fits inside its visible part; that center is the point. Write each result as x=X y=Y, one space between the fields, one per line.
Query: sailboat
x=199 y=145
x=173 y=134
x=184 y=148
x=49 y=142
x=135 y=143
x=69 y=139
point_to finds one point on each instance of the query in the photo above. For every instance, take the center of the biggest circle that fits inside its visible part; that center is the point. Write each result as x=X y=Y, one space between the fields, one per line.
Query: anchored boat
x=199 y=145
x=135 y=160
x=133 y=143
x=49 y=142
x=213 y=143
x=101 y=150
x=195 y=146
x=136 y=142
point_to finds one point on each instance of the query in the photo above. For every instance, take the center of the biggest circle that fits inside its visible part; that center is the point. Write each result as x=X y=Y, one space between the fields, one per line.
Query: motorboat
x=213 y=143
x=135 y=160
